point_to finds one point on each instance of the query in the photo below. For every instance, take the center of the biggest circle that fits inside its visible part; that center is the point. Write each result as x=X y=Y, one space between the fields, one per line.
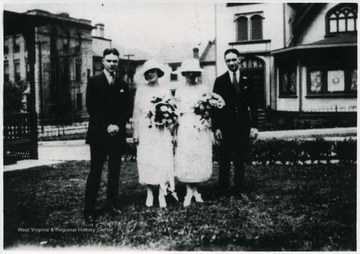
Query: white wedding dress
x=155 y=158
x=193 y=154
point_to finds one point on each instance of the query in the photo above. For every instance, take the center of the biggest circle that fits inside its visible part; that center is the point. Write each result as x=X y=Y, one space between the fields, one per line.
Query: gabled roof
x=208 y=54
x=341 y=39
x=179 y=53
x=305 y=14
x=345 y=40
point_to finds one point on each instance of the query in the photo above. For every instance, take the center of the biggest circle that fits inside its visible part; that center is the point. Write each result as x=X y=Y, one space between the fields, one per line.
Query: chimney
x=99 y=30
x=196 y=53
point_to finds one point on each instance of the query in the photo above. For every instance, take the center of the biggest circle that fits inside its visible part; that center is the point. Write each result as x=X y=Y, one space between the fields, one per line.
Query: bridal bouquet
x=205 y=105
x=164 y=113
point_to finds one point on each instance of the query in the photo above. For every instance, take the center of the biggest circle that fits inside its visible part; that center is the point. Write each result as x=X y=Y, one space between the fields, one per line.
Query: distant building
x=99 y=43
x=62 y=47
x=302 y=57
x=204 y=52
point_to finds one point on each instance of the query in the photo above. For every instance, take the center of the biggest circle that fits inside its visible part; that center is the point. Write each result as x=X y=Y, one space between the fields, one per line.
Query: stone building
x=62 y=51
x=99 y=43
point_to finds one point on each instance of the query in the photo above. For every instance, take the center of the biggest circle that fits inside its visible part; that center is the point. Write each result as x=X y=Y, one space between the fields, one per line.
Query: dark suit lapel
x=117 y=83
x=227 y=78
x=104 y=79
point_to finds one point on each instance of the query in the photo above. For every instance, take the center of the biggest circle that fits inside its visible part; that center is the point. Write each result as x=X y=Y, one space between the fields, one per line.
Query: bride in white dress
x=193 y=155
x=155 y=149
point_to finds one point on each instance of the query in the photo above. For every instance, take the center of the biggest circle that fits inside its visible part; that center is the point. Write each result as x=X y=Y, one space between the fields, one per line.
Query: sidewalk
x=54 y=152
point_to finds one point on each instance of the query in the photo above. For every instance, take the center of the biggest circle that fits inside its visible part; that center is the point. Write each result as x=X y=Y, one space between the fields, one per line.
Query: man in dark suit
x=108 y=104
x=233 y=123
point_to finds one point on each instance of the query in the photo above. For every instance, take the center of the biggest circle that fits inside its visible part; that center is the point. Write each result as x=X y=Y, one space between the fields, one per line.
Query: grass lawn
x=309 y=207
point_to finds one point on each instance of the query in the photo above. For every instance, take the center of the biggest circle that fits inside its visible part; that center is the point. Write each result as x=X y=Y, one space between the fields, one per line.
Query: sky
x=153 y=29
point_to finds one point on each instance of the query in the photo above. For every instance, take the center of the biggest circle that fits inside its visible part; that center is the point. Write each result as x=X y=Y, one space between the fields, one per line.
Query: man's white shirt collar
x=108 y=76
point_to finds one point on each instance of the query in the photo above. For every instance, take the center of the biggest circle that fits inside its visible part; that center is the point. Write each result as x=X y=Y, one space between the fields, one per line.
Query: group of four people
x=109 y=106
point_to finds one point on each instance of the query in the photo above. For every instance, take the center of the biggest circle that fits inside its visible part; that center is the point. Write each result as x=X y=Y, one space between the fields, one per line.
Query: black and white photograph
x=179 y=126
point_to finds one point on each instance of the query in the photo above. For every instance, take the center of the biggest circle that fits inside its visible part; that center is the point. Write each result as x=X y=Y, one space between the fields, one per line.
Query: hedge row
x=273 y=151
x=302 y=151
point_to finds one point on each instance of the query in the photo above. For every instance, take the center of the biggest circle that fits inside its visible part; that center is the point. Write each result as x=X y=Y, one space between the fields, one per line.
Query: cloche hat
x=154 y=64
x=191 y=65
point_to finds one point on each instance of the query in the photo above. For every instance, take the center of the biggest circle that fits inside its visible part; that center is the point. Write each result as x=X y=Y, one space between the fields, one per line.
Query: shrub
x=318 y=149
x=272 y=151
x=13 y=94
x=346 y=150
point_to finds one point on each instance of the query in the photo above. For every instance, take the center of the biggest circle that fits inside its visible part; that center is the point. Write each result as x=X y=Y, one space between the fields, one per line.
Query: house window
x=256 y=27
x=79 y=101
x=6 y=49
x=16 y=43
x=249 y=26
x=78 y=46
x=250 y=63
x=53 y=42
x=353 y=87
x=329 y=81
x=288 y=82
x=27 y=69
x=342 y=19
x=242 y=29
x=6 y=72
x=173 y=76
x=98 y=67
x=316 y=82
x=78 y=70
x=17 y=70
x=66 y=44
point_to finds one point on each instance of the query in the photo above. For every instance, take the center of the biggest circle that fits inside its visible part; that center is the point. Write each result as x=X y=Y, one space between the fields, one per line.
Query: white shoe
x=162 y=200
x=149 y=201
x=198 y=197
x=187 y=200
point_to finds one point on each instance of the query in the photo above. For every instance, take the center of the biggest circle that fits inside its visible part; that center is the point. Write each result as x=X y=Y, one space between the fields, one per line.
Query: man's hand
x=136 y=140
x=254 y=133
x=112 y=129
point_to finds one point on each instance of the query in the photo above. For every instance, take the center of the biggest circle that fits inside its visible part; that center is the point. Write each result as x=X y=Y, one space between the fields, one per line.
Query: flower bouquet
x=205 y=105
x=164 y=113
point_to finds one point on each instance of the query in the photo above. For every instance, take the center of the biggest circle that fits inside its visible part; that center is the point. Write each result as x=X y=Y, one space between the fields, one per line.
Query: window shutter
x=242 y=29
x=256 y=27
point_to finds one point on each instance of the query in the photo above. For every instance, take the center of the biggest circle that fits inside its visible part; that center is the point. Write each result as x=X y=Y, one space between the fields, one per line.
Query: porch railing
x=18 y=138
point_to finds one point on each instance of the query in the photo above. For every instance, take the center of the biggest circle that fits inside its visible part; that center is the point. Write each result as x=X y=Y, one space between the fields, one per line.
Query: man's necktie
x=112 y=80
x=236 y=83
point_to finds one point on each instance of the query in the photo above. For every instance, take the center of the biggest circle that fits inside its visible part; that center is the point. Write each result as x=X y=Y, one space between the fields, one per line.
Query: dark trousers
x=234 y=147
x=98 y=155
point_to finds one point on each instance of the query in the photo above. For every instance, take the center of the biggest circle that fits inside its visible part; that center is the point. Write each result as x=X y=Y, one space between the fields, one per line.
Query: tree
x=13 y=95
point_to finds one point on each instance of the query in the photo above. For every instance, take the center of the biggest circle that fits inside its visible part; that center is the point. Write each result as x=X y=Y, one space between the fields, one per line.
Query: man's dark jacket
x=240 y=111
x=107 y=104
